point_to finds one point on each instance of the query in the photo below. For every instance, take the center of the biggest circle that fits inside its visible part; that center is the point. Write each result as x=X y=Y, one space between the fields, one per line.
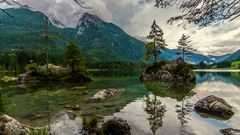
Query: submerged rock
x=106 y=93
x=230 y=131
x=169 y=71
x=35 y=73
x=10 y=126
x=116 y=126
x=214 y=106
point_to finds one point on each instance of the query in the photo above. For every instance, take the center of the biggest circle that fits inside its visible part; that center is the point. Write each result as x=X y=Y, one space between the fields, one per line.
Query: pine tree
x=158 y=43
x=184 y=46
x=73 y=58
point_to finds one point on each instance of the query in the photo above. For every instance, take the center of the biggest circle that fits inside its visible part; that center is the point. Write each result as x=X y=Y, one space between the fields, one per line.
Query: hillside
x=97 y=39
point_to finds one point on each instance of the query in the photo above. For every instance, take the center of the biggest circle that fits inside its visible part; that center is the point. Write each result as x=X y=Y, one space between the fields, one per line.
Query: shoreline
x=216 y=70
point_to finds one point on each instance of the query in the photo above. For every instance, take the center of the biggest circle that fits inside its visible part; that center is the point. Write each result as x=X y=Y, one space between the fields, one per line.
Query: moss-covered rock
x=169 y=71
x=35 y=73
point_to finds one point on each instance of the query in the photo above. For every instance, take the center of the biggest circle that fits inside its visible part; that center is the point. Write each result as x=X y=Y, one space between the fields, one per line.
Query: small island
x=169 y=71
x=178 y=70
x=74 y=71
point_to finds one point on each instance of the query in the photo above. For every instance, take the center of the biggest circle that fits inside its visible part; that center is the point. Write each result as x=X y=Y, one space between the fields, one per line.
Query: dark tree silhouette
x=155 y=111
x=202 y=12
x=184 y=46
x=158 y=43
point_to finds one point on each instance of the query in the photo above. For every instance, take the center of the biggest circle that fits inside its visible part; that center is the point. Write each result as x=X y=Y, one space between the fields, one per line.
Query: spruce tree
x=73 y=58
x=158 y=43
x=184 y=46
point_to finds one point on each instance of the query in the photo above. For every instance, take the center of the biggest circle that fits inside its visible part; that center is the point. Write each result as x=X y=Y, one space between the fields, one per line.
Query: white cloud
x=136 y=17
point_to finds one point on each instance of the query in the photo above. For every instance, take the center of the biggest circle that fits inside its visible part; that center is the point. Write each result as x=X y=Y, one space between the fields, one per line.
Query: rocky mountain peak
x=86 y=20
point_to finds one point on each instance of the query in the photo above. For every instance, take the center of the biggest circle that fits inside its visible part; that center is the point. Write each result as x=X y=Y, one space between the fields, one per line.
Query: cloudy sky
x=136 y=17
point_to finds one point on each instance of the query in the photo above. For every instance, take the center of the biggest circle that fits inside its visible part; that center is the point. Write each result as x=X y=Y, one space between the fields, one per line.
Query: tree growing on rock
x=158 y=43
x=73 y=58
x=184 y=45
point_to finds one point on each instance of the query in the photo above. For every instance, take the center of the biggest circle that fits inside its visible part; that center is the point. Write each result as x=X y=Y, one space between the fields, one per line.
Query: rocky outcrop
x=10 y=126
x=116 y=126
x=35 y=73
x=214 y=106
x=230 y=131
x=106 y=93
x=169 y=71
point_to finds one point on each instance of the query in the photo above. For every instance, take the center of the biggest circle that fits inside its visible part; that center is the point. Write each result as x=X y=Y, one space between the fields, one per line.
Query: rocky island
x=36 y=73
x=169 y=71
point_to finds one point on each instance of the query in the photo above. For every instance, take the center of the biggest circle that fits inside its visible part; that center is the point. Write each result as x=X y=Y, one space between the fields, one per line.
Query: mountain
x=218 y=59
x=107 y=40
x=190 y=57
x=233 y=57
x=97 y=39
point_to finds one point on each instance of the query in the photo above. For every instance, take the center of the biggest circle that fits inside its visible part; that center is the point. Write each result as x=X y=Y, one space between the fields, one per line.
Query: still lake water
x=150 y=108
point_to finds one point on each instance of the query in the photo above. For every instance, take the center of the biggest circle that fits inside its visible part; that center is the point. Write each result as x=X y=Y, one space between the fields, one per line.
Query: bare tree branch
x=202 y=12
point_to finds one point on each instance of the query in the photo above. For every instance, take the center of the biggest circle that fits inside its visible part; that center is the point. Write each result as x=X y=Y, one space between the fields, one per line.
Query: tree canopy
x=158 y=43
x=184 y=46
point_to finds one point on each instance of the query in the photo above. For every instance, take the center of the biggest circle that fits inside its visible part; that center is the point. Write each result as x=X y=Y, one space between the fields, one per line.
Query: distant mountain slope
x=233 y=57
x=190 y=57
x=218 y=59
x=98 y=40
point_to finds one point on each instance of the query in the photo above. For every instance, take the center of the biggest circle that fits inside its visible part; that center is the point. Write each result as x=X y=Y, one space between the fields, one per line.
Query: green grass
x=235 y=65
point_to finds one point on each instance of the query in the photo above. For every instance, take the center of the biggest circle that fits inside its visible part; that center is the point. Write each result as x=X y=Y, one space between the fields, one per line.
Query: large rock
x=116 y=126
x=106 y=93
x=214 y=106
x=230 y=131
x=10 y=126
x=35 y=73
x=169 y=71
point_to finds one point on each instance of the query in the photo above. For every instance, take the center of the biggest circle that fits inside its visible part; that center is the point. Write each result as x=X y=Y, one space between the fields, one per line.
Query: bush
x=33 y=67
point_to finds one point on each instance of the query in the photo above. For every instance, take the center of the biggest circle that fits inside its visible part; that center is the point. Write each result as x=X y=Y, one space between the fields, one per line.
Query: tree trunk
x=155 y=51
x=46 y=43
x=183 y=55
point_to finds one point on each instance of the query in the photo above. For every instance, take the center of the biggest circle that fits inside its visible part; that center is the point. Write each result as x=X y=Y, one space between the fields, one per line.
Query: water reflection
x=177 y=91
x=155 y=110
x=150 y=108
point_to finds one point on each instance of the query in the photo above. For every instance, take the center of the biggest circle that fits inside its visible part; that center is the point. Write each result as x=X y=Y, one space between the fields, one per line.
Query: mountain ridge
x=98 y=40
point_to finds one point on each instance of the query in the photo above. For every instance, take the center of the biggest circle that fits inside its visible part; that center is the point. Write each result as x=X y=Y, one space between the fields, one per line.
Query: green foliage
x=101 y=45
x=42 y=131
x=183 y=45
x=149 y=47
x=224 y=64
x=90 y=125
x=33 y=67
x=5 y=101
x=158 y=43
x=236 y=64
x=74 y=59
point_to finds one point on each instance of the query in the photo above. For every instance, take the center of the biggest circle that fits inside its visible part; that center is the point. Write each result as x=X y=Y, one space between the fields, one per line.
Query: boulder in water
x=106 y=93
x=116 y=126
x=214 y=106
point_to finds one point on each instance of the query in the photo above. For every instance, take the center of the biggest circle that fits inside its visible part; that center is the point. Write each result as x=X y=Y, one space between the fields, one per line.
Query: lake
x=150 y=108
